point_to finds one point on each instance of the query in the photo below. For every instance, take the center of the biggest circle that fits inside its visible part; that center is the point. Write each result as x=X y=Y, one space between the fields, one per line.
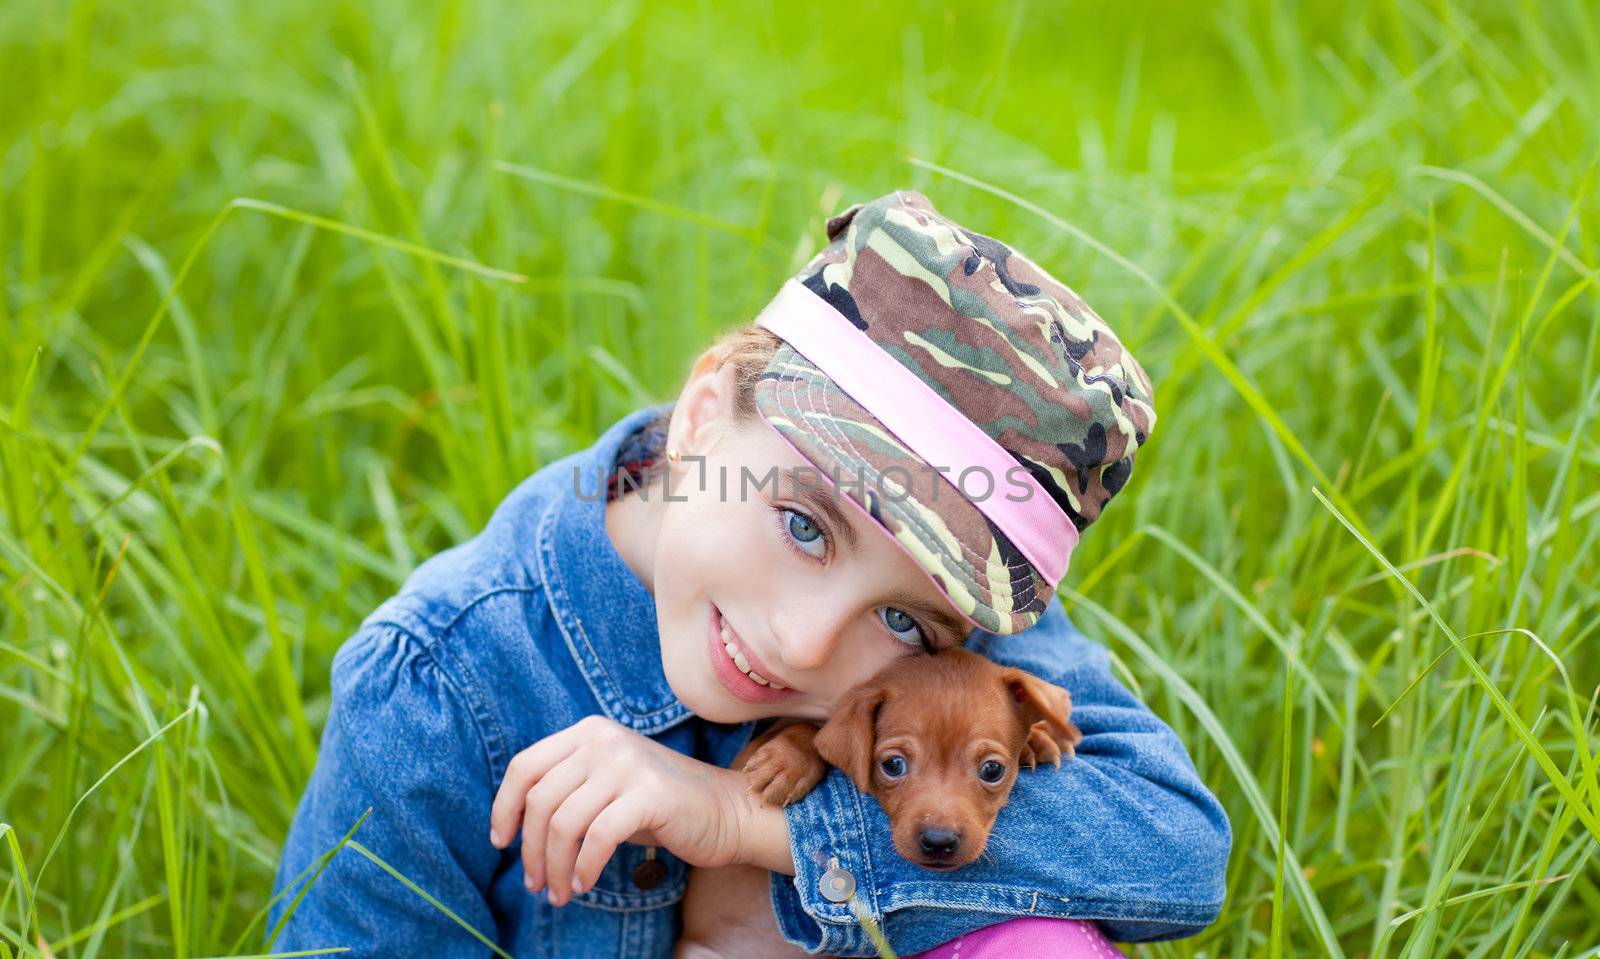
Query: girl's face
x=814 y=598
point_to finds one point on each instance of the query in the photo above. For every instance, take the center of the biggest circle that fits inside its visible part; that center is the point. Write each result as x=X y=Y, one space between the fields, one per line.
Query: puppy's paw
x=1039 y=747
x=1044 y=744
x=786 y=767
x=1069 y=742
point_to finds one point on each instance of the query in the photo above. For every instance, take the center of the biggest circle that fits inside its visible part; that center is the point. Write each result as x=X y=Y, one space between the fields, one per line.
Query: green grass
x=293 y=293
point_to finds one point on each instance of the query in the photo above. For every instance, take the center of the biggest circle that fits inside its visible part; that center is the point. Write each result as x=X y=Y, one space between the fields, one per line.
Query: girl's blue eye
x=898 y=620
x=802 y=529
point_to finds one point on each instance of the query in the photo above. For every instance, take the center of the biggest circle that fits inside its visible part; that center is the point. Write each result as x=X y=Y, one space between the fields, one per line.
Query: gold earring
x=672 y=455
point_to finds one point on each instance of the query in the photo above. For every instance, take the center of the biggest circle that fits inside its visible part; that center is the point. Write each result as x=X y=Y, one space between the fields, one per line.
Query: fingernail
x=577 y=886
x=527 y=883
x=550 y=894
x=494 y=837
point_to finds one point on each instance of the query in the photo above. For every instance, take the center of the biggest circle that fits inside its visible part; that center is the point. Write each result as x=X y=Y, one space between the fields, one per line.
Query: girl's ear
x=704 y=408
x=847 y=739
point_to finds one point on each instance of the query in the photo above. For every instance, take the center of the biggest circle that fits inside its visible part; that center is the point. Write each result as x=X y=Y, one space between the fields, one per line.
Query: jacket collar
x=606 y=614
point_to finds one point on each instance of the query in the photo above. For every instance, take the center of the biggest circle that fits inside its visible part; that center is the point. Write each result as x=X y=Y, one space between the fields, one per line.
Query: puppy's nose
x=938 y=842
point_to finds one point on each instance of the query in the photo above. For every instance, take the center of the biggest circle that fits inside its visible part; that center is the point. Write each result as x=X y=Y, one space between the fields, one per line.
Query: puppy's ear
x=1037 y=701
x=847 y=739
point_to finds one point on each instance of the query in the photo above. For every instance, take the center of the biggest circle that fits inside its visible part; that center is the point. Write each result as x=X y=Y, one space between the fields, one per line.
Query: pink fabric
x=1027 y=937
x=923 y=420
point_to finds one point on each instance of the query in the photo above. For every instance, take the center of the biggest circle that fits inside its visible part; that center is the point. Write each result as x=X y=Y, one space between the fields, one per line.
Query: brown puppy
x=937 y=740
x=925 y=737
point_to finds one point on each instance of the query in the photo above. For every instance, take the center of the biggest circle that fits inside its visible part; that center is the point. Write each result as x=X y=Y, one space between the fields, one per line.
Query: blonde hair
x=748 y=349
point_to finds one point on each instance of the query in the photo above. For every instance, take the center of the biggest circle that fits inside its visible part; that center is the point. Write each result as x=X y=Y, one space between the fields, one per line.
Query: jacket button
x=648 y=874
x=838 y=884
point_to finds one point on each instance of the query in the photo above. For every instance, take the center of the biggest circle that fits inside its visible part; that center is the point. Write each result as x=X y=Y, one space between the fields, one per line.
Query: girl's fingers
x=522 y=774
x=619 y=822
x=568 y=826
x=539 y=806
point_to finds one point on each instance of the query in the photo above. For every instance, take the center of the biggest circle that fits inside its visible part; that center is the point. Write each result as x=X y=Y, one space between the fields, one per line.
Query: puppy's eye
x=894 y=767
x=992 y=771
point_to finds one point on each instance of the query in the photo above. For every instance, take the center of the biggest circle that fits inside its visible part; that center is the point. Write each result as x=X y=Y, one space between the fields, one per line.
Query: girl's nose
x=810 y=632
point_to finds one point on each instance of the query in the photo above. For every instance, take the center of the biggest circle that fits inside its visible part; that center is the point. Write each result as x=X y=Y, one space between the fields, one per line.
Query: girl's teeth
x=734 y=654
x=744 y=664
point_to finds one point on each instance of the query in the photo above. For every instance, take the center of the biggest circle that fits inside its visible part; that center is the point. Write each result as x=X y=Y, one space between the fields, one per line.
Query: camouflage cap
x=1007 y=367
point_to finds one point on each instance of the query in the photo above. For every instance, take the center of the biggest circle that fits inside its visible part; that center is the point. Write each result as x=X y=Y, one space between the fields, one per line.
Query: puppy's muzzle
x=938 y=843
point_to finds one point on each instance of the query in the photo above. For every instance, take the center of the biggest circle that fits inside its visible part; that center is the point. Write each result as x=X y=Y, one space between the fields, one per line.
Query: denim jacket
x=537 y=622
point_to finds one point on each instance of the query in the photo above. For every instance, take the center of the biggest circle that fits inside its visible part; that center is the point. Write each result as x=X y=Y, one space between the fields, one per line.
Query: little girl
x=584 y=670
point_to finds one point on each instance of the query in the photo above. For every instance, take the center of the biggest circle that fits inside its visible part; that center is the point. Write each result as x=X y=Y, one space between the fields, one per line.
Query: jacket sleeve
x=400 y=739
x=1125 y=834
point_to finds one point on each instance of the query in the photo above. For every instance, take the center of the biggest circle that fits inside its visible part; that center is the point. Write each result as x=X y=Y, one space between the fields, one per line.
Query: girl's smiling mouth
x=739 y=671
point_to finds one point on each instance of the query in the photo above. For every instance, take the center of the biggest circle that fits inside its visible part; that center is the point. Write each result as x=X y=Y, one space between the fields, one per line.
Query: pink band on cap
x=924 y=421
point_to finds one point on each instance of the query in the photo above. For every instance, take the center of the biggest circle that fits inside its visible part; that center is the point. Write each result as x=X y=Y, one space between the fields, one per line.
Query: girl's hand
x=603 y=784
